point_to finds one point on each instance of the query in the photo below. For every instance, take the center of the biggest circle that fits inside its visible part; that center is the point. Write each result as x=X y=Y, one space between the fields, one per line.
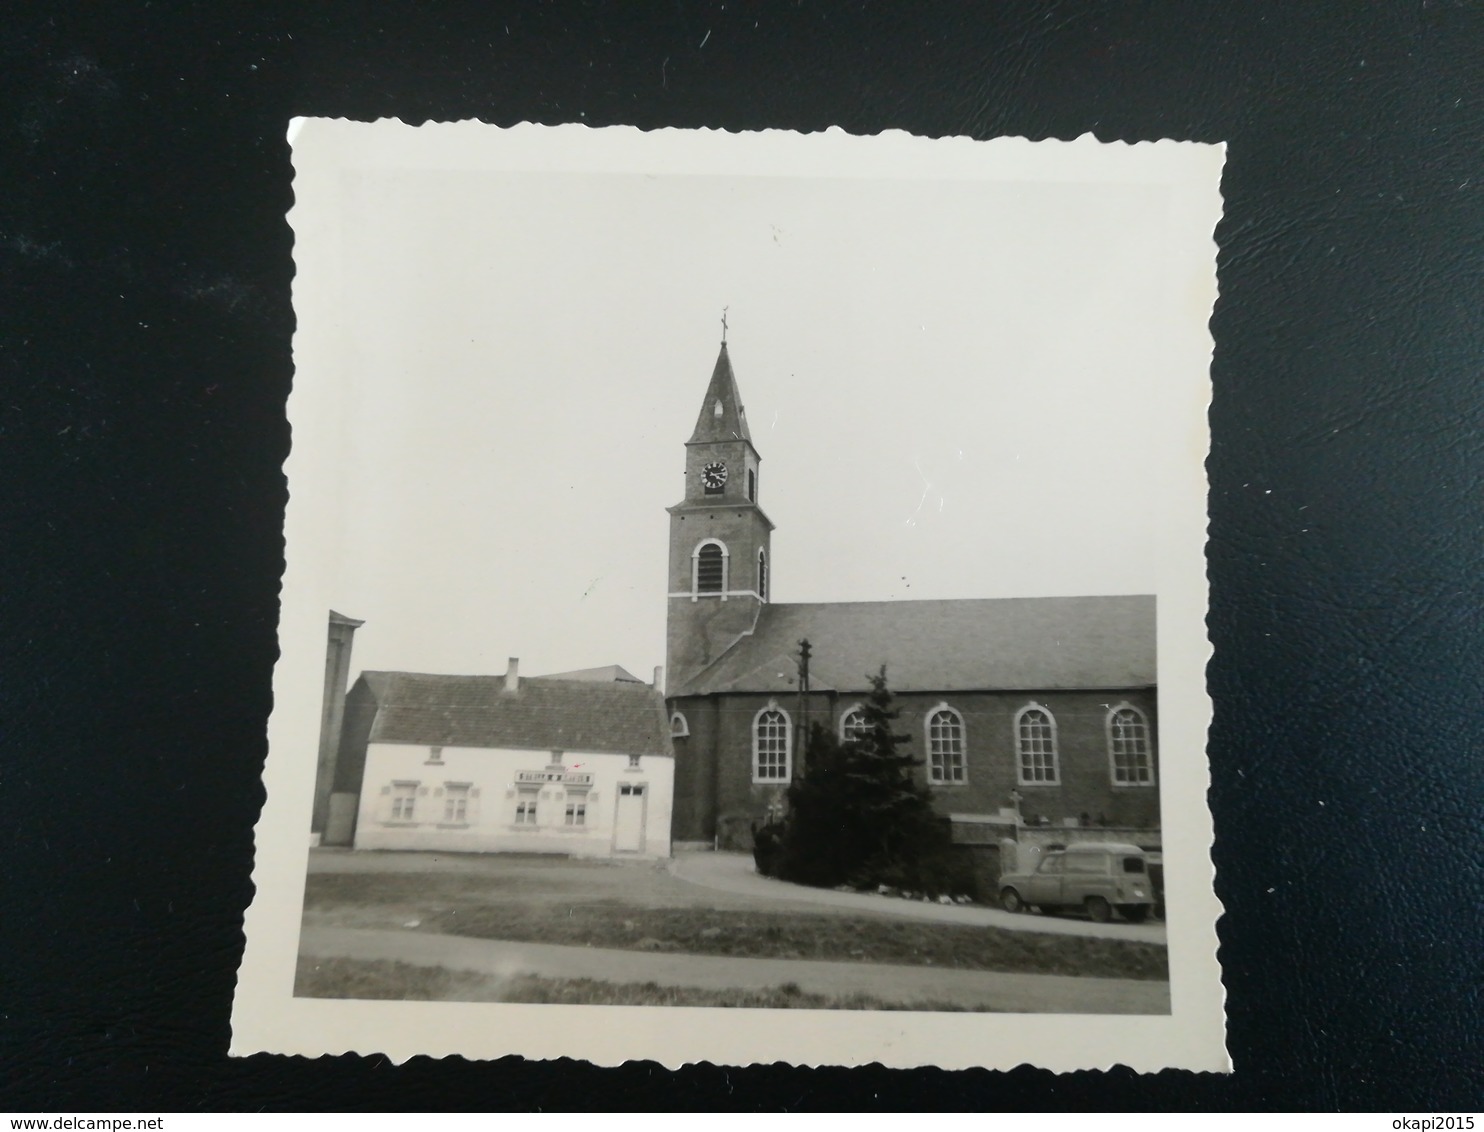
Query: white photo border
x=267 y=1018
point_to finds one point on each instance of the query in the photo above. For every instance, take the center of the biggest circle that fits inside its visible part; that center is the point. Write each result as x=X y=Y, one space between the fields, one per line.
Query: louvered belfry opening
x=709 y=569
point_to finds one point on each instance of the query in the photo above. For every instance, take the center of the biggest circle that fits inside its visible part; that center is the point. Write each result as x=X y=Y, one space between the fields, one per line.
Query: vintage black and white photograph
x=745 y=600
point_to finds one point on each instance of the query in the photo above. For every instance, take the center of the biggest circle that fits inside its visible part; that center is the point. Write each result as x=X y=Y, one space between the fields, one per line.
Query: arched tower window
x=947 y=765
x=751 y=485
x=709 y=565
x=1035 y=747
x=679 y=728
x=1129 y=753
x=762 y=574
x=772 y=744
x=853 y=724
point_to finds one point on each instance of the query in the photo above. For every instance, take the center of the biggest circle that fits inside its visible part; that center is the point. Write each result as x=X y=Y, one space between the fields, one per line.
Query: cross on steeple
x=724 y=325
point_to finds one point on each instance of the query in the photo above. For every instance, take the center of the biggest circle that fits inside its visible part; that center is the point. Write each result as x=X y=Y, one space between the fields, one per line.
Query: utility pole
x=803 y=743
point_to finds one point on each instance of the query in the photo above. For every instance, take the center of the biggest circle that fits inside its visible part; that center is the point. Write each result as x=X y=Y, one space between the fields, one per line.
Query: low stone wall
x=1043 y=837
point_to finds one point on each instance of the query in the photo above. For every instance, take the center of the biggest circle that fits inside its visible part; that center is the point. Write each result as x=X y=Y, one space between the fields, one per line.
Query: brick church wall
x=695 y=773
x=740 y=801
x=714 y=765
x=1086 y=784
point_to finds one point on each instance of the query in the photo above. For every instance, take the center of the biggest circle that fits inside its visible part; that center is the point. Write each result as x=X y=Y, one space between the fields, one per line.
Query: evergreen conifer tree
x=858 y=815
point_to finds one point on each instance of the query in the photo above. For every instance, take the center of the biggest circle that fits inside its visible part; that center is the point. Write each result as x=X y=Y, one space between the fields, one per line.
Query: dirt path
x=734 y=873
x=983 y=990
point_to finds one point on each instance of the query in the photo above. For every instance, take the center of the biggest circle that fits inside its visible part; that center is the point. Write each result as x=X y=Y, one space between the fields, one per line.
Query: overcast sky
x=952 y=386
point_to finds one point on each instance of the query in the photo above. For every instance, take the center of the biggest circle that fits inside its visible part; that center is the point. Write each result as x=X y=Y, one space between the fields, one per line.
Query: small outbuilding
x=578 y=764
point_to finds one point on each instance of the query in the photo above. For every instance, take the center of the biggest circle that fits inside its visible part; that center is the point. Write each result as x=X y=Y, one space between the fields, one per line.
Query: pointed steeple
x=722 y=416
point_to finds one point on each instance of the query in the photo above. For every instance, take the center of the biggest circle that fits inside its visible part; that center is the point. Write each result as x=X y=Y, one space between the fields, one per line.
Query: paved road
x=734 y=873
x=981 y=990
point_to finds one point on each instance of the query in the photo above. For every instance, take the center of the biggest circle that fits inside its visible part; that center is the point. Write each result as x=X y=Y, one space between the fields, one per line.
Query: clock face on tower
x=714 y=477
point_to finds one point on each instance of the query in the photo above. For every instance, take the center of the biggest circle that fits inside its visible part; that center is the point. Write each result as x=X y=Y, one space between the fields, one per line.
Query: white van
x=1095 y=876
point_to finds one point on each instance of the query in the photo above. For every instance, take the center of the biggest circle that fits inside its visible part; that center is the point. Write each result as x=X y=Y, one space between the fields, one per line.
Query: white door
x=628 y=829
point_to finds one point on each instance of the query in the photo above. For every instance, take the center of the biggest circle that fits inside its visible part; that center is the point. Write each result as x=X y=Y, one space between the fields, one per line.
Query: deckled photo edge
x=266 y=1015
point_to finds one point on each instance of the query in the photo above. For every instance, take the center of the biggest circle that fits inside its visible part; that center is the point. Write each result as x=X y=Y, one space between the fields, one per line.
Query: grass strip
x=732 y=932
x=383 y=979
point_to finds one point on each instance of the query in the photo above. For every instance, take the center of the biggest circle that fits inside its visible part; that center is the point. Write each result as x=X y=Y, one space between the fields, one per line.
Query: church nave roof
x=1042 y=643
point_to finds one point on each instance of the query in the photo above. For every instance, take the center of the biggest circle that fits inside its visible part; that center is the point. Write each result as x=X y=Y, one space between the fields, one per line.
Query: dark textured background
x=144 y=339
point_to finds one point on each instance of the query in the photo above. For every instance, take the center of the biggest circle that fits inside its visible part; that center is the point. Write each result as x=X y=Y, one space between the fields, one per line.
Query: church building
x=1028 y=714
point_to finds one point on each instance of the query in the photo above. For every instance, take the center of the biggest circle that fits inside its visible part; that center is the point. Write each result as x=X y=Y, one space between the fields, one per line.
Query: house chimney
x=512 y=675
x=659 y=677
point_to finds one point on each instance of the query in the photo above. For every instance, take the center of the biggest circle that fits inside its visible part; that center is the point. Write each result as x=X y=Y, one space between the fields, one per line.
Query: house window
x=853 y=725
x=762 y=574
x=679 y=728
x=576 y=813
x=404 y=800
x=711 y=568
x=1128 y=747
x=435 y=754
x=456 y=803
x=1035 y=746
x=771 y=744
x=634 y=760
x=525 y=810
x=945 y=728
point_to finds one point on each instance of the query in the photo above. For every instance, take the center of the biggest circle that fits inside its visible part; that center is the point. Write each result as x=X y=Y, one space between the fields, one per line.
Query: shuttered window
x=710 y=569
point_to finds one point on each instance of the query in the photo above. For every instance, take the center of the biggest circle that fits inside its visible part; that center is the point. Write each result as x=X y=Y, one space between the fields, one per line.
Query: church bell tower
x=718 y=536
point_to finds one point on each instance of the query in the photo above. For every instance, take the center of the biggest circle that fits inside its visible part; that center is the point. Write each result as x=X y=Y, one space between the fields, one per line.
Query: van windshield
x=1133 y=864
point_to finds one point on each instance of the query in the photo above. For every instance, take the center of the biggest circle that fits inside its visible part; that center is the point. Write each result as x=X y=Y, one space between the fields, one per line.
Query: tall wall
x=337 y=672
x=357 y=719
x=695 y=774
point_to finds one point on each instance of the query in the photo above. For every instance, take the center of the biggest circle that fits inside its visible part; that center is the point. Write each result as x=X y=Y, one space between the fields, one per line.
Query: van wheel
x=1098 y=910
x=1010 y=900
x=1135 y=913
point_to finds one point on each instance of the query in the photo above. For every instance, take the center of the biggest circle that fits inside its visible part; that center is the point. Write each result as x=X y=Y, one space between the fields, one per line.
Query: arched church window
x=945 y=735
x=1035 y=746
x=679 y=728
x=772 y=744
x=762 y=574
x=711 y=568
x=751 y=485
x=1129 y=752
x=853 y=725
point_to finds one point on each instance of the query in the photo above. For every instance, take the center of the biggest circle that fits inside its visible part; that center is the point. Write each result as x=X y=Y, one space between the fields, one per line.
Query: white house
x=579 y=764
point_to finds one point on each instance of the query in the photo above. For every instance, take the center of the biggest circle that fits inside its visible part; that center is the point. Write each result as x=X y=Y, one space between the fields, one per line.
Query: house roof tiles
x=607 y=672
x=610 y=716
